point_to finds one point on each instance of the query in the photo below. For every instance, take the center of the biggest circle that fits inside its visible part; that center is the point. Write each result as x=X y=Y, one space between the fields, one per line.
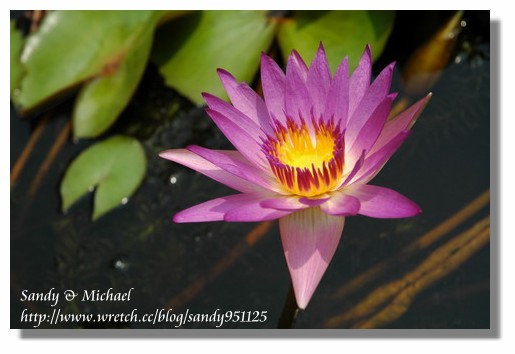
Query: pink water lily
x=305 y=154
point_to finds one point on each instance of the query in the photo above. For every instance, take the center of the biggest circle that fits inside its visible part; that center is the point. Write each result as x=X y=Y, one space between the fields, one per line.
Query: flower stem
x=290 y=311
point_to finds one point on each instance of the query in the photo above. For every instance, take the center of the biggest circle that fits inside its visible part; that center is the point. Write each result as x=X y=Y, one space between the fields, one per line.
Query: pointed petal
x=212 y=210
x=233 y=162
x=337 y=102
x=253 y=211
x=355 y=169
x=293 y=202
x=375 y=94
x=215 y=209
x=372 y=128
x=240 y=138
x=284 y=203
x=296 y=98
x=199 y=164
x=403 y=121
x=360 y=80
x=274 y=85
x=380 y=202
x=319 y=81
x=245 y=100
x=234 y=115
x=310 y=238
x=341 y=204
x=375 y=162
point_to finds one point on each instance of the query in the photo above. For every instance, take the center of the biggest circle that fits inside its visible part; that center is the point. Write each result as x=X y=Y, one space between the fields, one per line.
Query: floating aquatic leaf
x=102 y=99
x=342 y=32
x=116 y=166
x=190 y=49
x=73 y=46
x=16 y=46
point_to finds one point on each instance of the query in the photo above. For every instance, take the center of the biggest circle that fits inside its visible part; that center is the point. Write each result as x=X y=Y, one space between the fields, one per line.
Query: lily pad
x=342 y=33
x=189 y=49
x=73 y=46
x=16 y=47
x=115 y=166
x=102 y=99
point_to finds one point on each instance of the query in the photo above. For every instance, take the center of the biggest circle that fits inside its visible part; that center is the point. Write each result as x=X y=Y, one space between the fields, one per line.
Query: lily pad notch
x=114 y=167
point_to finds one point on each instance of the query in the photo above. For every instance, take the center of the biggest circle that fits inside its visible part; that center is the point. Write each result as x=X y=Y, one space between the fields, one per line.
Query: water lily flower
x=304 y=155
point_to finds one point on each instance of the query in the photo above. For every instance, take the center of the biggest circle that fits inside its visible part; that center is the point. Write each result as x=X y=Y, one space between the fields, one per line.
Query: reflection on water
x=202 y=267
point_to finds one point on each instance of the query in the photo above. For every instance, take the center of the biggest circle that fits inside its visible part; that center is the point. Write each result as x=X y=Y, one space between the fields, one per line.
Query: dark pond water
x=234 y=266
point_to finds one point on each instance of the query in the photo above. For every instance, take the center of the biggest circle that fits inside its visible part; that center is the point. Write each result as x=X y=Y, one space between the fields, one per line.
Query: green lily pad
x=16 y=47
x=102 y=99
x=342 y=33
x=189 y=49
x=73 y=46
x=115 y=166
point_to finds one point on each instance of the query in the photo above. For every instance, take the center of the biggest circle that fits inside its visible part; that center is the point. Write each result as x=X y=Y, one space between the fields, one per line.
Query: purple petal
x=337 y=102
x=234 y=115
x=297 y=61
x=355 y=169
x=360 y=80
x=375 y=162
x=314 y=201
x=296 y=99
x=199 y=164
x=380 y=202
x=372 y=128
x=319 y=81
x=341 y=204
x=373 y=97
x=233 y=162
x=403 y=121
x=284 y=203
x=215 y=209
x=241 y=139
x=253 y=211
x=310 y=238
x=212 y=210
x=293 y=202
x=245 y=100
x=273 y=82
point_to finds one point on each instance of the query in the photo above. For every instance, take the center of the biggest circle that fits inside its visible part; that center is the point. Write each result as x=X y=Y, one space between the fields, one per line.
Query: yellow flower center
x=306 y=164
x=297 y=150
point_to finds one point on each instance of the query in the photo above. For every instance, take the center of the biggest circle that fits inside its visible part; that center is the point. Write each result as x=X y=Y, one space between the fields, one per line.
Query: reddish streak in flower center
x=306 y=164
